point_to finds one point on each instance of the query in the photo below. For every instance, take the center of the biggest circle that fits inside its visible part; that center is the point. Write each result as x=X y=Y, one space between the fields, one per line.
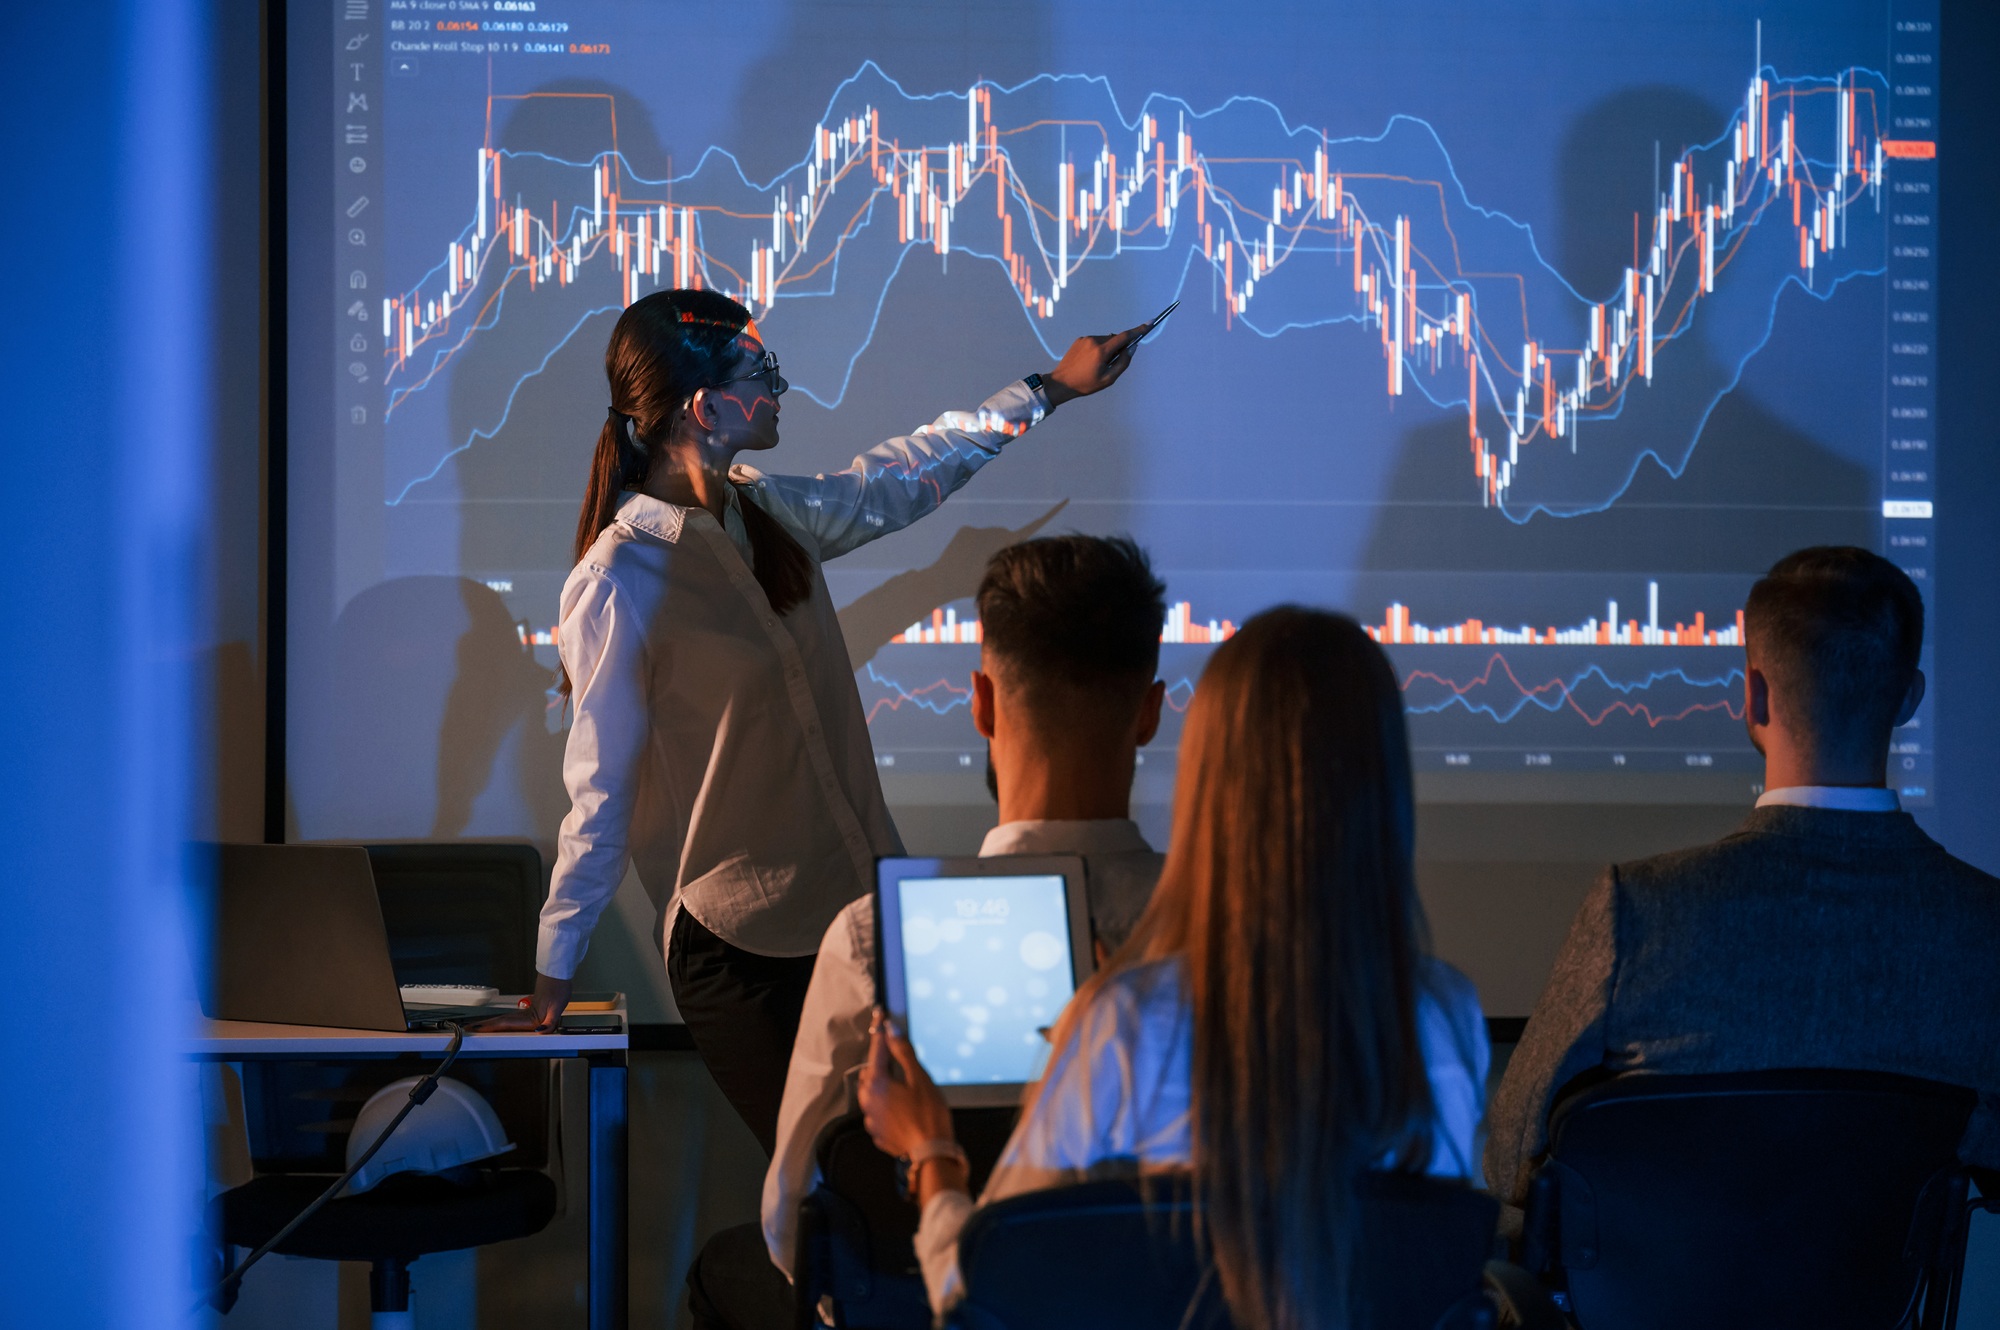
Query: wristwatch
x=1034 y=382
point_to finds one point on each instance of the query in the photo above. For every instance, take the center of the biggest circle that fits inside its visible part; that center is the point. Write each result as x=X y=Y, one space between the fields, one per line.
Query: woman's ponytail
x=782 y=567
x=601 y=496
x=665 y=348
x=603 y=493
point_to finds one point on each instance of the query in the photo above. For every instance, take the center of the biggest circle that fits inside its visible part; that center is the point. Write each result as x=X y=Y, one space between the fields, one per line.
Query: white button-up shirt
x=1843 y=798
x=1120 y=871
x=1119 y=1100
x=720 y=748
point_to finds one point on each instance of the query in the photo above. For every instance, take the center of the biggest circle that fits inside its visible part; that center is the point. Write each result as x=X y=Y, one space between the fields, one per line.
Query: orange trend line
x=910 y=177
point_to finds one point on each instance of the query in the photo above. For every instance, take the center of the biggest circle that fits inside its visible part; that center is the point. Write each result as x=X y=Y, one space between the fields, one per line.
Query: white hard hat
x=454 y=1126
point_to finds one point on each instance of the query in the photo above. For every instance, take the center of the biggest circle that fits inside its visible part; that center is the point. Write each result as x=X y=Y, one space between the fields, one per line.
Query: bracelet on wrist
x=917 y=1170
x=910 y=1168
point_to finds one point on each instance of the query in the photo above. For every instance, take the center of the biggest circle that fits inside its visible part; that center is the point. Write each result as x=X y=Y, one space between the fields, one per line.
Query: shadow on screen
x=872 y=618
x=944 y=335
x=521 y=483
x=435 y=727
x=926 y=47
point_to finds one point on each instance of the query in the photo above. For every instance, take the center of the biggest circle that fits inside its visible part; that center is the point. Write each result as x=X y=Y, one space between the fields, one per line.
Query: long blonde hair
x=1289 y=901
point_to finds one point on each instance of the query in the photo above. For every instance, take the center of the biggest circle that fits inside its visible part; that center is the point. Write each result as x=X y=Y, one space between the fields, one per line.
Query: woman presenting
x=718 y=742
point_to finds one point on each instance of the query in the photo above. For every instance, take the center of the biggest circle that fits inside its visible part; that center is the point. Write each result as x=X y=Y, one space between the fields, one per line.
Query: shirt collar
x=1844 y=798
x=1110 y=835
x=655 y=517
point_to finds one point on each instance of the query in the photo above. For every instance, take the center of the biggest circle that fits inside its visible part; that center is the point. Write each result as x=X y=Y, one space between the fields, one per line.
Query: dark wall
x=237 y=372
x=1967 y=608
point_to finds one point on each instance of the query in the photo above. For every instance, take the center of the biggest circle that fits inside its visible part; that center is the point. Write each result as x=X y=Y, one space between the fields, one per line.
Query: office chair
x=855 y=1251
x=461 y=913
x=1752 y=1199
x=1988 y=1200
x=405 y=1217
x=1122 y=1256
x=454 y=914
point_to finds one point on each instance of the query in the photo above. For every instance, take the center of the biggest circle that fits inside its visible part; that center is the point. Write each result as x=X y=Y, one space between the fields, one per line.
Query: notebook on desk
x=299 y=940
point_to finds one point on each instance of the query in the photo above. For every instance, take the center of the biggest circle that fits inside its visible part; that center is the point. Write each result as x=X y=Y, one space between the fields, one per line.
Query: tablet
x=977 y=959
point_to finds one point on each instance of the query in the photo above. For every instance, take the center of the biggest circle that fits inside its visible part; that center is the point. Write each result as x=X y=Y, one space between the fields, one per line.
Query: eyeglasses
x=767 y=371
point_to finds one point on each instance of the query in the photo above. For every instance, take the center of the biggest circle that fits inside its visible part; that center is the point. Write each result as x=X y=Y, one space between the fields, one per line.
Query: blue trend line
x=1180 y=693
x=1564 y=691
x=1156 y=102
x=486 y=433
x=958 y=697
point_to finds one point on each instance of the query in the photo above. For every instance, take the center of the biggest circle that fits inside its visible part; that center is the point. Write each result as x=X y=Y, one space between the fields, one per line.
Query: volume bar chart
x=1182 y=627
x=945 y=628
x=1610 y=631
x=1650 y=685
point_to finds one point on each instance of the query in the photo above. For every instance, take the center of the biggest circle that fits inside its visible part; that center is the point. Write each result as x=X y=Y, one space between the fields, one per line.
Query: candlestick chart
x=1561 y=391
x=1529 y=343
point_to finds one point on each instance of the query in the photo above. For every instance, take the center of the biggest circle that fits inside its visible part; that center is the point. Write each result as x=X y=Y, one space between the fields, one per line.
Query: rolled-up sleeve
x=900 y=480
x=603 y=648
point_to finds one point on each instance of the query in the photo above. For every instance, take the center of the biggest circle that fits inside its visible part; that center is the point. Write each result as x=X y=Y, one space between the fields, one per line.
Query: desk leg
x=609 y=1280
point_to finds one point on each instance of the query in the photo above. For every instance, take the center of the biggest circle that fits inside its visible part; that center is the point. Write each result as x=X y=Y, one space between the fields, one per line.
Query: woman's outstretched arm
x=902 y=479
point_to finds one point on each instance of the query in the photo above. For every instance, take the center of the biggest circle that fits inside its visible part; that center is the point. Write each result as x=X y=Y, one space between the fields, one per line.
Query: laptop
x=299 y=940
x=977 y=958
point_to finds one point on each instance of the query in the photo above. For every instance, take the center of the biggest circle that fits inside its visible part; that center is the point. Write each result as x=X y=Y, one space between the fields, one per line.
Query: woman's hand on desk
x=544 y=1009
x=1090 y=365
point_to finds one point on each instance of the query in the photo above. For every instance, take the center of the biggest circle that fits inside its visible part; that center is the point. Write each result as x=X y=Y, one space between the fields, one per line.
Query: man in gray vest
x=1829 y=931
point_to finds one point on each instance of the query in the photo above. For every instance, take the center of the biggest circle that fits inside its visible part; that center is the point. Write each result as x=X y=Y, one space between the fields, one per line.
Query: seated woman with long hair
x=1276 y=1024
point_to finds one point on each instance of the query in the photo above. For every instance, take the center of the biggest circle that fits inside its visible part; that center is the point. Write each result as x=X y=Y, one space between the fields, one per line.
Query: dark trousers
x=732 y=1284
x=742 y=1011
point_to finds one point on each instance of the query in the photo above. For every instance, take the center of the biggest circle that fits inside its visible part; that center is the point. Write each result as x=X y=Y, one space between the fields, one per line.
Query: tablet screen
x=986 y=969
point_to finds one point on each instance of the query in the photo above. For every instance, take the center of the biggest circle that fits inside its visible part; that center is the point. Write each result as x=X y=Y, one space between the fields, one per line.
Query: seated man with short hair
x=1828 y=932
x=1066 y=695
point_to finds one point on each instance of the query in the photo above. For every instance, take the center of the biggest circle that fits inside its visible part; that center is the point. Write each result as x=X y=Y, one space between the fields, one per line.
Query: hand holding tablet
x=900 y=1106
x=978 y=957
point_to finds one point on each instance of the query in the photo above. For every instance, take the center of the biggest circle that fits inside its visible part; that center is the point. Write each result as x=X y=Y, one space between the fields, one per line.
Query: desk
x=603 y=1054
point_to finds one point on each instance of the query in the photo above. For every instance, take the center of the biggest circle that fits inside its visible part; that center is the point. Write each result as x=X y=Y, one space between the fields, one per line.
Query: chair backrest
x=852 y=1169
x=461 y=912
x=856 y=1232
x=1747 y=1199
x=455 y=913
x=1122 y=1256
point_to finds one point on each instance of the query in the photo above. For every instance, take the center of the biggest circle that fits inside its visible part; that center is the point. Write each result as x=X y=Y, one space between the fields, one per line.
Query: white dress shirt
x=718 y=747
x=1119 y=1098
x=1845 y=798
x=1120 y=870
